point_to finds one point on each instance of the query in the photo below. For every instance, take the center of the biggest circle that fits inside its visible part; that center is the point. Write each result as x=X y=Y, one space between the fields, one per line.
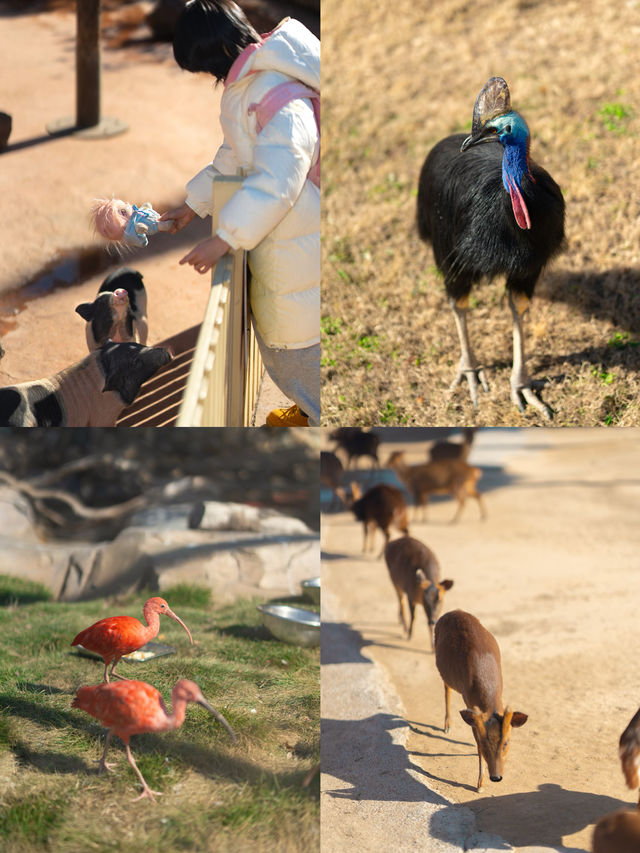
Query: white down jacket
x=276 y=212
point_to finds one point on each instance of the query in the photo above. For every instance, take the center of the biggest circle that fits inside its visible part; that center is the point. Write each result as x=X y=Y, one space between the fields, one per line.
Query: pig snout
x=121 y=295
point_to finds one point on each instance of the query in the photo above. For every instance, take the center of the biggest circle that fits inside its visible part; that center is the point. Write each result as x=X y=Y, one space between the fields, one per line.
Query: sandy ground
x=551 y=574
x=48 y=185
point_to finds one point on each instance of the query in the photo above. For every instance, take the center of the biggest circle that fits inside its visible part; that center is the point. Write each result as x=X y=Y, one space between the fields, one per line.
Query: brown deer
x=380 y=506
x=356 y=442
x=453 y=449
x=618 y=832
x=468 y=659
x=415 y=573
x=444 y=477
x=630 y=752
x=331 y=472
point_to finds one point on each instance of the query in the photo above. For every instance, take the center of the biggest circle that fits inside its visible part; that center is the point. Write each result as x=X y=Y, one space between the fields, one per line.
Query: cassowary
x=489 y=210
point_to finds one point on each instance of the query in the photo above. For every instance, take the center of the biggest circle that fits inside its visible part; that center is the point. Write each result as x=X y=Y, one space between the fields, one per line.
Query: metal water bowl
x=291 y=624
x=311 y=589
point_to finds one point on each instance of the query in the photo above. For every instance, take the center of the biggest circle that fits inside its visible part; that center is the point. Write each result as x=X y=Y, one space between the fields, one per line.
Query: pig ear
x=86 y=310
x=123 y=384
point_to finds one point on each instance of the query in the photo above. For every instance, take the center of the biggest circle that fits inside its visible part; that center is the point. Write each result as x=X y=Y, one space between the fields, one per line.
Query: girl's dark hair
x=210 y=34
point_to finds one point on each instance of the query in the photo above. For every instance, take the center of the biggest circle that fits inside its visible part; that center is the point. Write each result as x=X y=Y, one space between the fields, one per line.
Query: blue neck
x=515 y=160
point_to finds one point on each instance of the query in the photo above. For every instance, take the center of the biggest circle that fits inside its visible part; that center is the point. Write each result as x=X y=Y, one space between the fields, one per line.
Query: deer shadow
x=538 y=818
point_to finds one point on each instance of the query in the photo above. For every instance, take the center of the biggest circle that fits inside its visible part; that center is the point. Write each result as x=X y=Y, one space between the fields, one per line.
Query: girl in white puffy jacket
x=275 y=215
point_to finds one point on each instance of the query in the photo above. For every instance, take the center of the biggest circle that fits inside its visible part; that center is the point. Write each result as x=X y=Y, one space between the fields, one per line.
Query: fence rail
x=226 y=370
x=215 y=376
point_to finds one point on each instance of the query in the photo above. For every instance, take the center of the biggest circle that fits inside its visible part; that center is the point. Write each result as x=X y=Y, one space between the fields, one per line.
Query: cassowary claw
x=523 y=394
x=473 y=375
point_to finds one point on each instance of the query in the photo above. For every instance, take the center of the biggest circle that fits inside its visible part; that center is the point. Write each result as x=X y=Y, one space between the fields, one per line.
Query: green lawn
x=217 y=796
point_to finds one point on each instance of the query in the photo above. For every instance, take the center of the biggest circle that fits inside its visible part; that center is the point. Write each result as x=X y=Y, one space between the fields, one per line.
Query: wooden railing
x=226 y=368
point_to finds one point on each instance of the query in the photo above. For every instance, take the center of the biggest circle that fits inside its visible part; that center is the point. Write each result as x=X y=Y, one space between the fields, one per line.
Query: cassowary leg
x=521 y=390
x=468 y=367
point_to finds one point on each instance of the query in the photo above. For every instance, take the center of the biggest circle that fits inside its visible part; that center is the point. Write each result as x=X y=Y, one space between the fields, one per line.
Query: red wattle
x=519 y=207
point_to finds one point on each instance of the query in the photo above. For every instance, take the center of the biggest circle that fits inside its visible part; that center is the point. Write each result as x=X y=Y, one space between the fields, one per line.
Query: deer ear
x=518 y=719
x=474 y=718
x=446 y=584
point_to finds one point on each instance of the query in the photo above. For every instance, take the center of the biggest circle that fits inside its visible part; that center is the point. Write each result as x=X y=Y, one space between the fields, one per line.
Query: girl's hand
x=181 y=216
x=207 y=254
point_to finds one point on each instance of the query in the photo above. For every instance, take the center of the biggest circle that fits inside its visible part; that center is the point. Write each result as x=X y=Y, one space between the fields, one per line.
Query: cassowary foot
x=473 y=375
x=523 y=394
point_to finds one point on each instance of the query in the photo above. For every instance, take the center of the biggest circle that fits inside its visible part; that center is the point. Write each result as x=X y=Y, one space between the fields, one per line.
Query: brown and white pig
x=92 y=392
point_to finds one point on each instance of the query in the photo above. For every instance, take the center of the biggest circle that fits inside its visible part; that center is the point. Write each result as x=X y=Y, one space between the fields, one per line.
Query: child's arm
x=283 y=155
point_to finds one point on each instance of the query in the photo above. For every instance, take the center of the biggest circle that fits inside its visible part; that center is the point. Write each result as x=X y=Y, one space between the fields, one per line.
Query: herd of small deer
x=467 y=656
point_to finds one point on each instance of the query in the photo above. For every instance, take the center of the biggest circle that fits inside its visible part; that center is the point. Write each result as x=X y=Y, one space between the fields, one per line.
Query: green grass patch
x=604 y=376
x=31 y=819
x=268 y=691
x=615 y=117
x=18 y=591
x=331 y=325
x=186 y=595
x=391 y=414
x=621 y=340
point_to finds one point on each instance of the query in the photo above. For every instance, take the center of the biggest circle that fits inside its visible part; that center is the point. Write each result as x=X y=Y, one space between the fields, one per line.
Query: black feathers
x=465 y=212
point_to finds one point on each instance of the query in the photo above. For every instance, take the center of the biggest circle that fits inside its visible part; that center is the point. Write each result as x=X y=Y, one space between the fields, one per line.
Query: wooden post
x=88 y=123
x=88 y=62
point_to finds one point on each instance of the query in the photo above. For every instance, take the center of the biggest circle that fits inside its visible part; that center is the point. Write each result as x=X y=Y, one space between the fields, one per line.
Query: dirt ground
x=412 y=76
x=551 y=573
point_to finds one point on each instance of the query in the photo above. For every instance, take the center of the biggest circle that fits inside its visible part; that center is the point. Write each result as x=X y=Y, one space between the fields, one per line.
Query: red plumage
x=133 y=707
x=115 y=636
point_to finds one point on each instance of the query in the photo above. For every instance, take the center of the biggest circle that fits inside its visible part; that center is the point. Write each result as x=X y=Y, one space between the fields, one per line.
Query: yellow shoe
x=291 y=417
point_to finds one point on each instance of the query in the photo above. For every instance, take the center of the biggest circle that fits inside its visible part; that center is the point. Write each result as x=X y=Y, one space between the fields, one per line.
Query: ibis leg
x=468 y=367
x=103 y=764
x=146 y=790
x=521 y=390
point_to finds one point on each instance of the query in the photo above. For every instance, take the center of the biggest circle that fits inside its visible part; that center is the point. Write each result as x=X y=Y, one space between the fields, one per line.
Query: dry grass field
x=397 y=78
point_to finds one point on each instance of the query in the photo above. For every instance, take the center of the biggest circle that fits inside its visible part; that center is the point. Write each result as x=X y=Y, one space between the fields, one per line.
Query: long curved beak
x=170 y=613
x=485 y=134
x=202 y=701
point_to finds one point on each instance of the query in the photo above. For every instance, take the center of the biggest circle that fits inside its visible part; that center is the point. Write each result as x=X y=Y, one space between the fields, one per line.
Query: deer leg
x=483 y=510
x=521 y=385
x=412 y=610
x=480 y=767
x=367 y=527
x=468 y=367
x=461 y=498
x=403 y=620
x=447 y=703
x=385 y=533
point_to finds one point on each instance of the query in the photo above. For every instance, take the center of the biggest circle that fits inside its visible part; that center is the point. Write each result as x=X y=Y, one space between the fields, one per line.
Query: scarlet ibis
x=115 y=636
x=133 y=707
